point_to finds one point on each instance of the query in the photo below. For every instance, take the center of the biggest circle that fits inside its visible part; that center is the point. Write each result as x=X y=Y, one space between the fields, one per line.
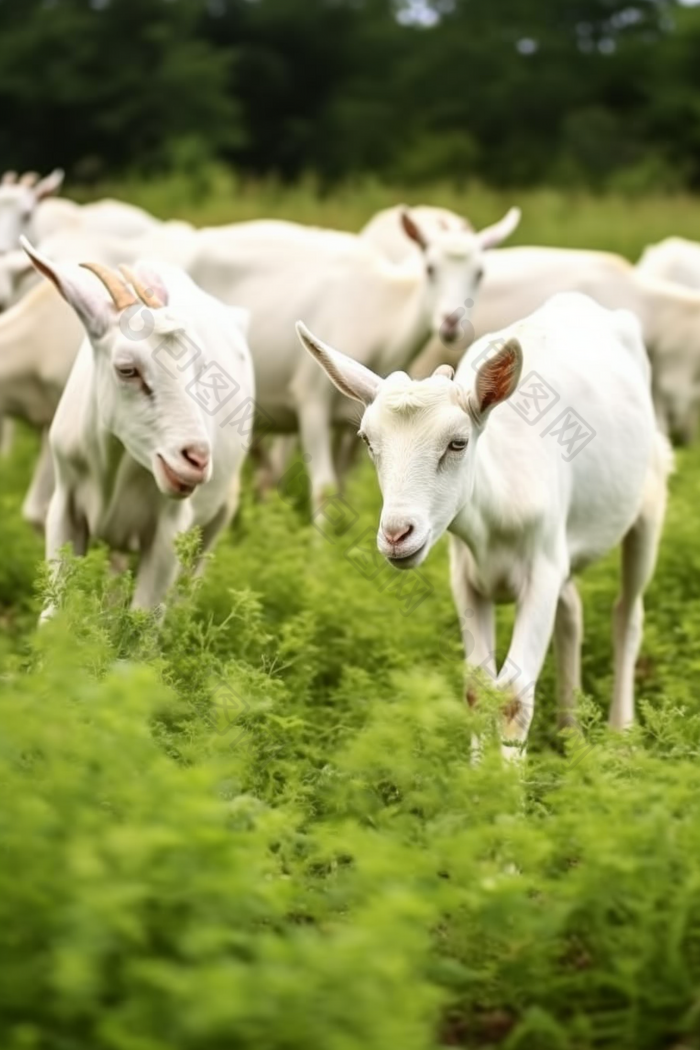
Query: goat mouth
x=408 y=561
x=177 y=486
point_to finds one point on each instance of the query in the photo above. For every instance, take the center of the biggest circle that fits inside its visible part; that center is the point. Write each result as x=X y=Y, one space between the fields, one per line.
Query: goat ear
x=49 y=185
x=81 y=291
x=496 y=380
x=412 y=229
x=492 y=236
x=350 y=377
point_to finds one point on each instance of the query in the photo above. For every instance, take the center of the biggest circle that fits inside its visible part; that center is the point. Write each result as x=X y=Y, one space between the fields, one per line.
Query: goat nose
x=398 y=533
x=197 y=455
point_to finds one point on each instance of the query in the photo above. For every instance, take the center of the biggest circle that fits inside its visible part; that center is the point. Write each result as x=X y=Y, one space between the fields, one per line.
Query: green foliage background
x=257 y=825
x=598 y=93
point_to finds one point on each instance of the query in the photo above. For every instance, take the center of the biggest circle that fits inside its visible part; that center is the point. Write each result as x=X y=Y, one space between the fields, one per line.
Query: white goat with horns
x=525 y=507
x=139 y=457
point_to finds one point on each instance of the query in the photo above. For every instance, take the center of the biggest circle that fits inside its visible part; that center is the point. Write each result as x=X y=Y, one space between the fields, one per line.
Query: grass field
x=257 y=825
x=578 y=219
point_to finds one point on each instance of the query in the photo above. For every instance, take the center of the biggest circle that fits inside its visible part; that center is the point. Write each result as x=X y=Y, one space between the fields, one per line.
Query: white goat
x=674 y=259
x=138 y=453
x=398 y=241
x=384 y=231
x=380 y=312
x=527 y=502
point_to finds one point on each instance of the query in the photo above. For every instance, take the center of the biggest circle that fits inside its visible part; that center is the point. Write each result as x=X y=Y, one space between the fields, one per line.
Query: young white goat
x=140 y=451
x=526 y=501
x=385 y=232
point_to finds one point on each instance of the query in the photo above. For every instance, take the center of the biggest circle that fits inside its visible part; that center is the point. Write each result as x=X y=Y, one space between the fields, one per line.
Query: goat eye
x=458 y=445
x=430 y=270
x=365 y=439
x=127 y=372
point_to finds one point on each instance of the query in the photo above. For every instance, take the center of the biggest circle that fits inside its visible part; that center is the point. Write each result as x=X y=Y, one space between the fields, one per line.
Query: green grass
x=258 y=826
x=615 y=222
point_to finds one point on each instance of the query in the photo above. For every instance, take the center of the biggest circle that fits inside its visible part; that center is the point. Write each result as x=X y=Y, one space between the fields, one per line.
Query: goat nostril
x=398 y=535
x=196 y=457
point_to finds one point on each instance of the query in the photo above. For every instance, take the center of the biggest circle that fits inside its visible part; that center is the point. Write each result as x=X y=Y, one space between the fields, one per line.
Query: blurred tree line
x=596 y=92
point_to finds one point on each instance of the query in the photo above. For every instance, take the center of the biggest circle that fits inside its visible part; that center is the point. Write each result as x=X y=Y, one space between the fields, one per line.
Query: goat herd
x=146 y=366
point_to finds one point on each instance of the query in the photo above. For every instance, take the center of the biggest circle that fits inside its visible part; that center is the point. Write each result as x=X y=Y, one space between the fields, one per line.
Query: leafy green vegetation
x=257 y=825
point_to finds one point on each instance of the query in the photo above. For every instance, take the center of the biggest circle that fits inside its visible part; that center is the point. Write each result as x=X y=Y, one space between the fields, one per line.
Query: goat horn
x=9 y=178
x=30 y=178
x=444 y=370
x=146 y=295
x=121 y=296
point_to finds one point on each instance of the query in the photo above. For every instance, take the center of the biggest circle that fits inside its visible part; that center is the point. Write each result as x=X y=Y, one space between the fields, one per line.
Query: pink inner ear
x=496 y=379
x=412 y=230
